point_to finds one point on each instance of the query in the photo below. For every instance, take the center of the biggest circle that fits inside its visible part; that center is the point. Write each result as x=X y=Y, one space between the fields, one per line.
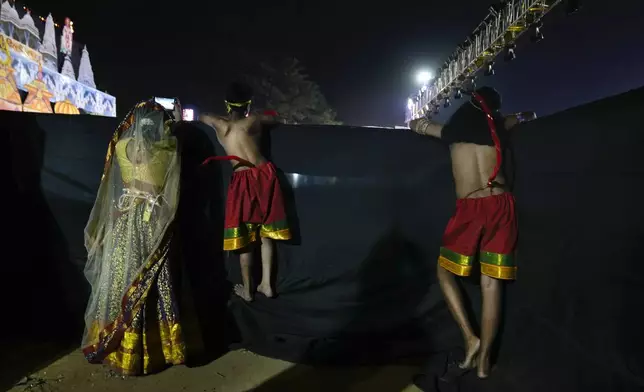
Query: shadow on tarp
x=43 y=289
x=286 y=188
x=392 y=259
x=205 y=290
x=341 y=301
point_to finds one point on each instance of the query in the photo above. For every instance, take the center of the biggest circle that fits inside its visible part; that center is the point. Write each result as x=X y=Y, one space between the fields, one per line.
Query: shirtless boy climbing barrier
x=484 y=224
x=254 y=205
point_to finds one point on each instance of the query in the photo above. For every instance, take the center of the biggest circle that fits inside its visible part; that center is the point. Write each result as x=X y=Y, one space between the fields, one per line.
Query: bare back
x=239 y=137
x=472 y=166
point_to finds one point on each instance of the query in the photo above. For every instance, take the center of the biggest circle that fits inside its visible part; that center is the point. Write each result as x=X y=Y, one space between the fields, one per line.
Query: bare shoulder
x=217 y=122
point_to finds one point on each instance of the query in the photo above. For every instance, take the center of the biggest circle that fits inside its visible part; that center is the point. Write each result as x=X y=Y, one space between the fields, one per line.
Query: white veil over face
x=130 y=224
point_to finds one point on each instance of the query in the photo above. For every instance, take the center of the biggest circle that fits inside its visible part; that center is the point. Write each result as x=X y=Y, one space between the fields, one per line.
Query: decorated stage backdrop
x=31 y=78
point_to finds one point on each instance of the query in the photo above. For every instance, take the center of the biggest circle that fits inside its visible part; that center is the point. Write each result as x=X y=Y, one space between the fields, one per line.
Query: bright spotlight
x=423 y=77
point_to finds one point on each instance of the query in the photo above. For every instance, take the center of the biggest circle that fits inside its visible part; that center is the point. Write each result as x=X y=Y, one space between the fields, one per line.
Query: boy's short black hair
x=239 y=92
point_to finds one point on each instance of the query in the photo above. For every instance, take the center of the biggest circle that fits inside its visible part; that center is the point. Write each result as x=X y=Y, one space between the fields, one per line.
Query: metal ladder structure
x=498 y=32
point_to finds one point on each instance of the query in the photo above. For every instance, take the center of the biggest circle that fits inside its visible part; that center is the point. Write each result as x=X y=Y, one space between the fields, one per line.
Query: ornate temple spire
x=48 y=46
x=9 y=13
x=31 y=34
x=68 y=69
x=85 y=72
x=10 y=20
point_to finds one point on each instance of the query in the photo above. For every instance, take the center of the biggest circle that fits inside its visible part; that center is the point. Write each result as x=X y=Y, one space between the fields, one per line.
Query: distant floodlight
x=423 y=77
x=410 y=104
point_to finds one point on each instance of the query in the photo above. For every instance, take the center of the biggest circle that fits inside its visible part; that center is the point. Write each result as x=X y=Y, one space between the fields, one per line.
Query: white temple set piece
x=31 y=65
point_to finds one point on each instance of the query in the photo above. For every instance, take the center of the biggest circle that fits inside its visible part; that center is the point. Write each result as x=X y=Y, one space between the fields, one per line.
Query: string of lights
x=497 y=33
x=27 y=9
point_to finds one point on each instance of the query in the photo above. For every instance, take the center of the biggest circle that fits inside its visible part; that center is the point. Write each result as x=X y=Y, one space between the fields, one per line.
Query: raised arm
x=424 y=126
x=214 y=121
x=511 y=120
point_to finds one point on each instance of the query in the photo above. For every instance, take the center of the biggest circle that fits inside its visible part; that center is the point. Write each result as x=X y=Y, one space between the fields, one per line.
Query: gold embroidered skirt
x=136 y=328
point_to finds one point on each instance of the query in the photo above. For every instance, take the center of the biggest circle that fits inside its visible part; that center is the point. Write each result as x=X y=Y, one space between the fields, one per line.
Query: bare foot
x=473 y=346
x=266 y=289
x=243 y=293
x=484 y=366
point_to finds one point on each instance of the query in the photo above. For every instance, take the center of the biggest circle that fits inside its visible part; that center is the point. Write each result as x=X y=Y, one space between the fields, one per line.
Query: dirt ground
x=237 y=371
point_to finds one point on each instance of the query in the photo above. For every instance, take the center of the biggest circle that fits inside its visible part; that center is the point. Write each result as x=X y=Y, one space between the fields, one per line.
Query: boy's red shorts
x=255 y=205
x=487 y=226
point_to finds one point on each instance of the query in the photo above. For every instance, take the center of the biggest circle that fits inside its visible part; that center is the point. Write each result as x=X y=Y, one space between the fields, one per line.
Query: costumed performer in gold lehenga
x=132 y=321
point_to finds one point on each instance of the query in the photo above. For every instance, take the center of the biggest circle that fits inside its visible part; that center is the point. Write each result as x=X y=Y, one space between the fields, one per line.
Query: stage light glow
x=538 y=34
x=423 y=77
x=188 y=115
x=505 y=19
x=410 y=104
x=510 y=54
x=489 y=71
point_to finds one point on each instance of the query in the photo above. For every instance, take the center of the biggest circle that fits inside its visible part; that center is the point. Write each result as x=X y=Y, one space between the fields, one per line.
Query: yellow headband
x=236 y=104
x=239 y=104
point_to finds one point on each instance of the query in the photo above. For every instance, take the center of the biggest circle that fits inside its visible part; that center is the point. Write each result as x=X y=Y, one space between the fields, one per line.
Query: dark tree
x=283 y=86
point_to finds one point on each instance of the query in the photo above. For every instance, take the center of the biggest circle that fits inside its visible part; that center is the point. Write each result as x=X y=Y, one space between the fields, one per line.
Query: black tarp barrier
x=357 y=284
x=55 y=163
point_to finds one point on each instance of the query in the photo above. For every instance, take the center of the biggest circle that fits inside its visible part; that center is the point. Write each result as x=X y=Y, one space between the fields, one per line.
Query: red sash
x=495 y=138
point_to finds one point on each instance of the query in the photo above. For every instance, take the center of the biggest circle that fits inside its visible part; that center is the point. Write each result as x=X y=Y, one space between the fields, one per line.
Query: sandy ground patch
x=237 y=371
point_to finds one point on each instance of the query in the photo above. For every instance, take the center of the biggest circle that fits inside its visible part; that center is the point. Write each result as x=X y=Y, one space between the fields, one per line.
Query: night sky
x=362 y=55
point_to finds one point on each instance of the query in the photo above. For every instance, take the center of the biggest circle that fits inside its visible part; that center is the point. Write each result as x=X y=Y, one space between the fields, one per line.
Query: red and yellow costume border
x=495 y=265
x=240 y=237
